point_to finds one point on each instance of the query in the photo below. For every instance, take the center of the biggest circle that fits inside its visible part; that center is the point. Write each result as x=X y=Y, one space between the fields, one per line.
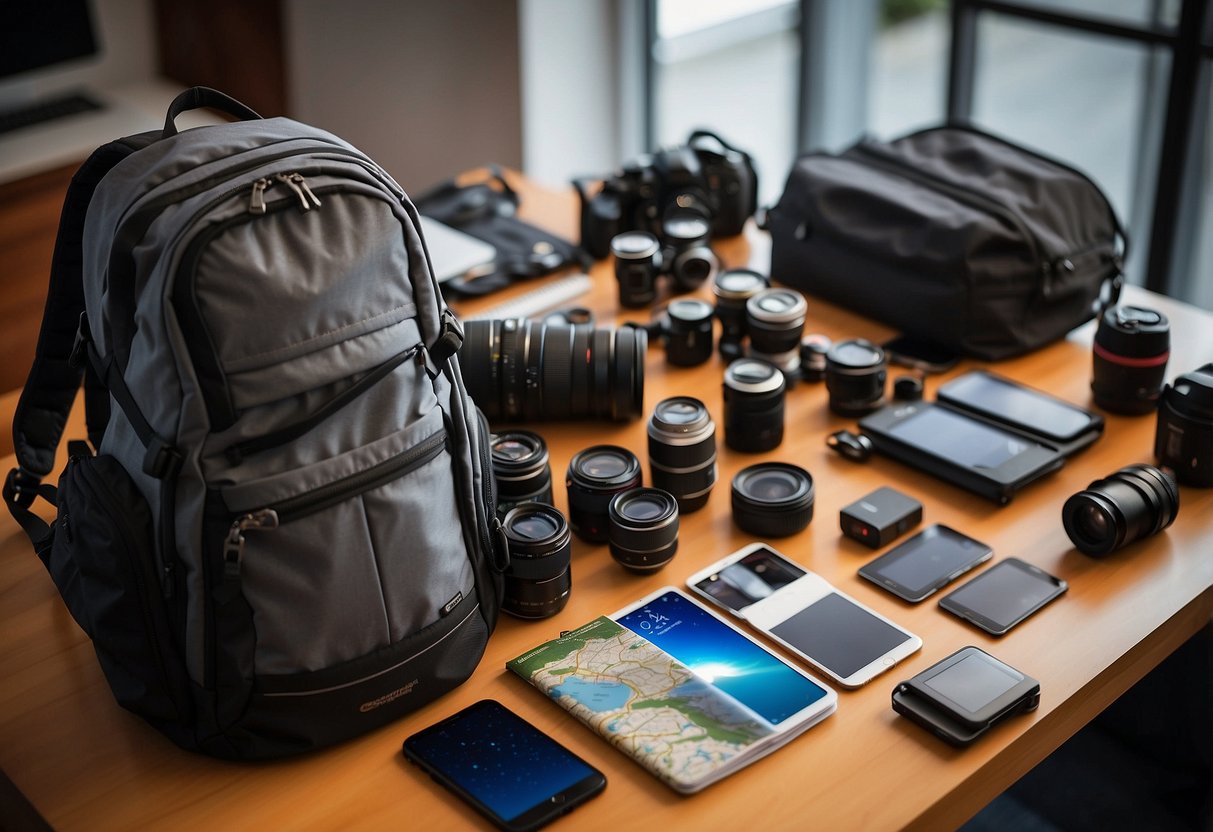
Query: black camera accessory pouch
x=487 y=210
x=952 y=235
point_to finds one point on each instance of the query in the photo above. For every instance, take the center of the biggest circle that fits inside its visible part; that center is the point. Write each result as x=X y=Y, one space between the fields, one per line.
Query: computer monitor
x=36 y=34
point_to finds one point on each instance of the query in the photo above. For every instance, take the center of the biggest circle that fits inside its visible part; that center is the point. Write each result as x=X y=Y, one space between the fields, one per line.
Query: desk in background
x=86 y=764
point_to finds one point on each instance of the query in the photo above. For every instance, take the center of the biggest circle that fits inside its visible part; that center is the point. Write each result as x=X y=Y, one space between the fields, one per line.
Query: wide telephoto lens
x=682 y=451
x=521 y=470
x=688 y=332
x=1135 y=502
x=1129 y=358
x=595 y=476
x=855 y=377
x=732 y=289
x=753 y=405
x=689 y=259
x=516 y=370
x=772 y=499
x=643 y=530
x=637 y=264
x=539 y=577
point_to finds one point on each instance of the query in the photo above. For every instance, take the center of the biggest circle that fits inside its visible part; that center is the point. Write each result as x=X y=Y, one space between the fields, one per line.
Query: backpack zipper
x=294 y=508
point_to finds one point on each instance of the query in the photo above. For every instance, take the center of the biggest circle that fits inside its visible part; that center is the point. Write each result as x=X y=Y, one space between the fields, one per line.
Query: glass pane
x=1091 y=101
x=910 y=66
x=731 y=66
x=1194 y=275
x=1131 y=12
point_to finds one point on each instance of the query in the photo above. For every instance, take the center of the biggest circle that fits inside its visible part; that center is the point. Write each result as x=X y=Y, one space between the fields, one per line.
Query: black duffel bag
x=952 y=235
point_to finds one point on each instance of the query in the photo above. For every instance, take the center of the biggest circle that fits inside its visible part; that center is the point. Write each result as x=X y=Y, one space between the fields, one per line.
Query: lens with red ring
x=1130 y=353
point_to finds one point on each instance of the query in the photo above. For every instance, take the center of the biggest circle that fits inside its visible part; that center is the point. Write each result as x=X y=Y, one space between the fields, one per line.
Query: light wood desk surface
x=86 y=764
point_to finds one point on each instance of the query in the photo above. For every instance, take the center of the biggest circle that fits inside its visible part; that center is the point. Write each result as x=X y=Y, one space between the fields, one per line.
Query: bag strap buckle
x=21 y=488
x=162 y=460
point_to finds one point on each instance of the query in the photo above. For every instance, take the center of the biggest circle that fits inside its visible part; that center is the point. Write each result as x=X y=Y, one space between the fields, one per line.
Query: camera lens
x=813 y=351
x=772 y=499
x=643 y=528
x=595 y=476
x=1129 y=359
x=689 y=332
x=775 y=321
x=732 y=289
x=1183 y=435
x=516 y=369
x=1135 y=502
x=753 y=405
x=521 y=470
x=682 y=451
x=539 y=577
x=691 y=260
x=855 y=377
x=637 y=264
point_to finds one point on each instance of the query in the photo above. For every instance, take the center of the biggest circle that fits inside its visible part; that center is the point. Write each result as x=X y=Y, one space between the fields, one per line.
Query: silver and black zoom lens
x=754 y=393
x=637 y=265
x=772 y=499
x=595 y=475
x=855 y=377
x=775 y=321
x=732 y=289
x=688 y=257
x=682 y=451
x=521 y=470
x=520 y=370
x=688 y=332
x=539 y=577
x=643 y=530
x=1135 y=502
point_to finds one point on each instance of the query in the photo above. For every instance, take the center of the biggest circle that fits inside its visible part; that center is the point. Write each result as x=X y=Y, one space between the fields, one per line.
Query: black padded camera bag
x=952 y=235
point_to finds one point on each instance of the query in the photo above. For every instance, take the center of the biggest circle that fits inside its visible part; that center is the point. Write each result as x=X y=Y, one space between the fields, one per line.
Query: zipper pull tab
x=298 y=184
x=233 y=546
x=256 y=203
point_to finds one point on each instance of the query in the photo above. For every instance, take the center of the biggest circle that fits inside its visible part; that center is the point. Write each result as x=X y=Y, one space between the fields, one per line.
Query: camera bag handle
x=196 y=98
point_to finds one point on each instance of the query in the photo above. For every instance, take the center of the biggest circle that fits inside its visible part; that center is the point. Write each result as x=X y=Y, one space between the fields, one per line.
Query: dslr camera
x=707 y=175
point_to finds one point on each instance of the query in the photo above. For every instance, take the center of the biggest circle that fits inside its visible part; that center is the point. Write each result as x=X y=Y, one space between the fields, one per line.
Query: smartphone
x=961 y=449
x=799 y=609
x=1020 y=407
x=927 y=561
x=1003 y=595
x=920 y=354
x=510 y=771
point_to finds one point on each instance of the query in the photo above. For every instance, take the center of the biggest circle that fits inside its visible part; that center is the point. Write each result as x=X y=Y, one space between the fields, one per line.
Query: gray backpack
x=287 y=535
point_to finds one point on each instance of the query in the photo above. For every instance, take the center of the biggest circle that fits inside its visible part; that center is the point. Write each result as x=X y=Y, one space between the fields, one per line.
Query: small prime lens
x=595 y=476
x=775 y=320
x=521 y=470
x=1135 y=502
x=1129 y=357
x=772 y=499
x=643 y=530
x=682 y=451
x=855 y=377
x=688 y=332
x=753 y=405
x=732 y=289
x=637 y=264
x=690 y=259
x=813 y=351
x=539 y=577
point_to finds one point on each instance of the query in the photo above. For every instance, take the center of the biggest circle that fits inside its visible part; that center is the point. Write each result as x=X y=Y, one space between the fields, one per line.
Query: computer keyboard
x=48 y=110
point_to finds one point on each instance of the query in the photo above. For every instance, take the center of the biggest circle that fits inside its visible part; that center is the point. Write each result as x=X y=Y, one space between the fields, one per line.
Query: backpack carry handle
x=198 y=97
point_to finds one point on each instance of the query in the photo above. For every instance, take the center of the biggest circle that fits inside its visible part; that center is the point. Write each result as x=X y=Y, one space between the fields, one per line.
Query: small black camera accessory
x=754 y=393
x=1135 y=502
x=963 y=696
x=688 y=257
x=539 y=578
x=688 y=332
x=775 y=321
x=854 y=446
x=732 y=288
x=643 y=528
x=521 y=470
x=1183 y=438
x=1129 y=358
x=595 y=475
x=908 y=388
x=813 y=351
x=879 y=518
x=855 y=377
x=637 y=264
x=773 y=499
x=682 y=451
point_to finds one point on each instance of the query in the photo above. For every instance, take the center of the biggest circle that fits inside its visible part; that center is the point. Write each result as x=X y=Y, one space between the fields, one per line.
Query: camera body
x=706 y=175
x=1183 y=440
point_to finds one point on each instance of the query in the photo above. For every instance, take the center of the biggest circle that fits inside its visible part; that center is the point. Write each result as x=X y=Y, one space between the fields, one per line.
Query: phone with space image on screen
x=507 y=769
x=929 y=560
x=802 y=611
x=1003 y=595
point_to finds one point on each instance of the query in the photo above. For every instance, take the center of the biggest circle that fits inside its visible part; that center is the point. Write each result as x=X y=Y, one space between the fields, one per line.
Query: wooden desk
x=86 y=764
